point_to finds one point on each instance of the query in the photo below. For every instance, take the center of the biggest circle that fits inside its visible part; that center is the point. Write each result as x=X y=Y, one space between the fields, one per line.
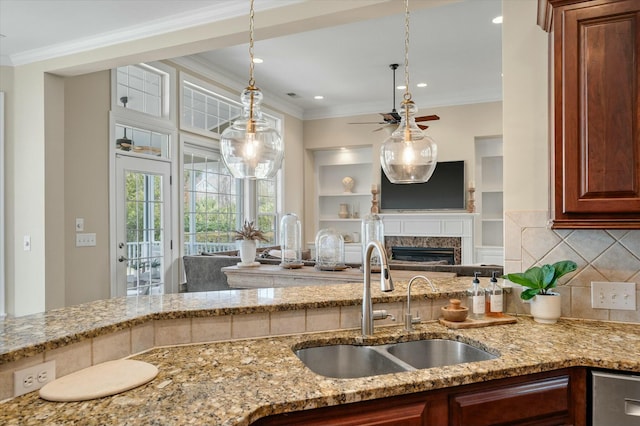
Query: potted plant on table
x=248 y=236
x=540 y=281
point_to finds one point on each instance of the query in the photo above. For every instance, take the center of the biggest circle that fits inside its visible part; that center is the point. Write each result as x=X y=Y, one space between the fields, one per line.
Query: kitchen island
x=238 y=380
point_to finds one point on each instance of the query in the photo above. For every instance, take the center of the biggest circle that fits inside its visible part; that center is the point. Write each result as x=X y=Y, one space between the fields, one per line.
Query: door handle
x=122 y=259
x=631 y=407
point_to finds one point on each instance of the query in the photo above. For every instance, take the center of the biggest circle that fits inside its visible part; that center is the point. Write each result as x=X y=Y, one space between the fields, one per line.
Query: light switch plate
x=86 y=240
x=613 y=295
x=79 y=224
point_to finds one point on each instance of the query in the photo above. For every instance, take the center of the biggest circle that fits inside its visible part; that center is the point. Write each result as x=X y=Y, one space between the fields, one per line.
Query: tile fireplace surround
x=442 y=229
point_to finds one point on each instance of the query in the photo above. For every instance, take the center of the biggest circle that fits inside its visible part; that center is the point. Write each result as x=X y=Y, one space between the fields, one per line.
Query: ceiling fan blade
x=428 y=118
x=423 y=127
x=368 y=122
x=388 y=116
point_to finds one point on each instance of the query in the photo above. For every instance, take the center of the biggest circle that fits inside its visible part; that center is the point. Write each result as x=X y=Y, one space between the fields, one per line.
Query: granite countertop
x=29 y=335
x=237 y=382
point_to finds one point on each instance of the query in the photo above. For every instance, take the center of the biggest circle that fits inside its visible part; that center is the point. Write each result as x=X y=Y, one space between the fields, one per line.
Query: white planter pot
x=247 y=250
x=546 y=309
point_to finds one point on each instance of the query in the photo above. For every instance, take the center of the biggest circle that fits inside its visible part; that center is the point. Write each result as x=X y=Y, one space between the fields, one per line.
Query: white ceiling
x=454 y=48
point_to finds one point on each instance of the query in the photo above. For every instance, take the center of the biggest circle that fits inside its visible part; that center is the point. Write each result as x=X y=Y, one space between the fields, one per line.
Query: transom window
x=143 y=86
x=205 y=110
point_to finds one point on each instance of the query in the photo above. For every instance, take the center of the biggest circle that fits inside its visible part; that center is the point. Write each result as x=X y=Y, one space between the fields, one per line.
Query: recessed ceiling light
x=401 y=87
x=497 y=20
x=421 y=84
x=257 y=61
x=318 y=97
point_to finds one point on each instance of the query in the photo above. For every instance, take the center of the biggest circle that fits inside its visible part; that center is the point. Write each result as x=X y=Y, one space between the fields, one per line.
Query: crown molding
x=375 y=108
x=218 y=12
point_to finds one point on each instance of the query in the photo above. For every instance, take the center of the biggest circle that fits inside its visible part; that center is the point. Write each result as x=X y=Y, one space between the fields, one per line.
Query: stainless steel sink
x=347 y=361
x=351 y=361
x=437 y=353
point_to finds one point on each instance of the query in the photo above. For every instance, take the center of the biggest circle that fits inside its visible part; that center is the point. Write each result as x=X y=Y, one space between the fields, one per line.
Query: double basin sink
x=350 y=361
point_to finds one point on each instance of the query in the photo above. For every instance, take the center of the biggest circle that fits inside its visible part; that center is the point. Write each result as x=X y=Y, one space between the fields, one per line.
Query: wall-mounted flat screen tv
x=445 y=190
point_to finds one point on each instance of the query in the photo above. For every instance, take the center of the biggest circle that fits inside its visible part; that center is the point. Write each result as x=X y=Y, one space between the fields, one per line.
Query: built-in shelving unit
x=489 y=201
x=331 y=167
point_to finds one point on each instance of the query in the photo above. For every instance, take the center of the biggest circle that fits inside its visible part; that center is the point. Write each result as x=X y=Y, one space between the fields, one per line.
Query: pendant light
x=408 y=155
x=251 y=149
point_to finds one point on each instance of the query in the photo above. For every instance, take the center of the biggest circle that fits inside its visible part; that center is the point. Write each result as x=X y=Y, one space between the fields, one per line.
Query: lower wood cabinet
x=551 y=398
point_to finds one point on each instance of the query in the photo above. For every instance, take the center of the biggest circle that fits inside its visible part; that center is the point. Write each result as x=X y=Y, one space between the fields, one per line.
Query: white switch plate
x=79 y=224
x=26 y=243
x=613 y=295
x=86 y=240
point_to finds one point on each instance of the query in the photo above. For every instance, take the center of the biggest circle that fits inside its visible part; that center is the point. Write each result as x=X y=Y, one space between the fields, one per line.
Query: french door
x=143 y=226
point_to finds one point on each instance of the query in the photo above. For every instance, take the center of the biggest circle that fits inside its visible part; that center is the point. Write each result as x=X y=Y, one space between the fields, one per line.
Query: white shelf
x=331 y=166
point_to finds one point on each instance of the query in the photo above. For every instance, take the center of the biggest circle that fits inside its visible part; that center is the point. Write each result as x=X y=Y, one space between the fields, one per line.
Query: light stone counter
x=237 y=382
x=265 y=276
x=247 y=372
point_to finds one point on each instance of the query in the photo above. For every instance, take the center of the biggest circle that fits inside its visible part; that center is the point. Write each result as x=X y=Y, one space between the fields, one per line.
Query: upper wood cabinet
x=595 y=59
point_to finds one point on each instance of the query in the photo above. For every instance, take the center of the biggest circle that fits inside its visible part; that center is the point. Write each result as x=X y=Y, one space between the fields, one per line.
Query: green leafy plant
x=250 y=232
x=541 y=279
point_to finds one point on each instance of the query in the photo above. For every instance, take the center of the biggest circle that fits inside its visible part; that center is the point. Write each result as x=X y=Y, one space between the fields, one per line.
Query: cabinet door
x=406 y=410
x=546 y=401
x=597 y=111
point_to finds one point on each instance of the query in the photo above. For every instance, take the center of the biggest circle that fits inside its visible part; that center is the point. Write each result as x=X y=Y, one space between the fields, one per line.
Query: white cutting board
x=108 y=378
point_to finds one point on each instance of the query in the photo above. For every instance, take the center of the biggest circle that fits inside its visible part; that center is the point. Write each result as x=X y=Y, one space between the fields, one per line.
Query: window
x=267 y=208
x=204 y=110
x=144 y=87
x=216 y=204
x=212 y=203
x=141 y=141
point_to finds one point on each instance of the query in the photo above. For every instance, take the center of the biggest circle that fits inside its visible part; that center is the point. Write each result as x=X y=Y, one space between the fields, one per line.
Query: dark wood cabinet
x=595 y=58
x=550 y=398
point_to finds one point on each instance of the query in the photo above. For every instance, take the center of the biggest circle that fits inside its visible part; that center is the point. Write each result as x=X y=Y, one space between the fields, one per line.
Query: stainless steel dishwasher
x=615 y=399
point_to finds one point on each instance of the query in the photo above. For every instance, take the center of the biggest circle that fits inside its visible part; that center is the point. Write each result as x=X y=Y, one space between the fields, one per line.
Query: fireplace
x=447 y=248
x=436 y=230
x=424 y=254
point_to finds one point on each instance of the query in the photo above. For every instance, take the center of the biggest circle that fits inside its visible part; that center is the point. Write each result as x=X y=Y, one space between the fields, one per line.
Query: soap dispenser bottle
x=476 y=298
x=494 y=297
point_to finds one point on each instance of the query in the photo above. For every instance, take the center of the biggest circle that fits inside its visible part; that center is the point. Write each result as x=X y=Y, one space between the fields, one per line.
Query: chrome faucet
x=408 y=318
x=386 y=284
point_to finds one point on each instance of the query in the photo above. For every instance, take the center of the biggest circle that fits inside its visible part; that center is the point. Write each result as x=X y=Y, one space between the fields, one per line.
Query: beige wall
x=54 y=147
x=6 y=86
x=86 y=185
x=455 y=133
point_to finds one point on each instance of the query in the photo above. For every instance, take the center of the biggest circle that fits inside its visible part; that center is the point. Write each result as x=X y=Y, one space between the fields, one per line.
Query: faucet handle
x=380 y=314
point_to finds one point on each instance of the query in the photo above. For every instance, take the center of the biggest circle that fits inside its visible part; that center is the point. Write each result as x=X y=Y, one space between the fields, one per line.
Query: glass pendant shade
x=290 y=240
x=250 y=148
x=408 y=155
x=329 y=249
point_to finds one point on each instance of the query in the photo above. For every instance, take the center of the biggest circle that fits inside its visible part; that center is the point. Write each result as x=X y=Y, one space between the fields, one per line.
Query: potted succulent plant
x=539 y=282
x=248 y=236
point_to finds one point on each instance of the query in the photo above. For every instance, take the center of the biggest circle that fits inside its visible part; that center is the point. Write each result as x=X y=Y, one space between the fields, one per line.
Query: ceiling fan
x=393 y=118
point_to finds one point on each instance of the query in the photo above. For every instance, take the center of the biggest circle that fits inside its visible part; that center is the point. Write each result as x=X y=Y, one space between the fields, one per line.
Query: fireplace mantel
x=436 y=224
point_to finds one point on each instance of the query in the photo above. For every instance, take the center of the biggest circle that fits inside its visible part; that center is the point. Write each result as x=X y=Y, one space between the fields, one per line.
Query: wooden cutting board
x=108 y=378
x=475 y=323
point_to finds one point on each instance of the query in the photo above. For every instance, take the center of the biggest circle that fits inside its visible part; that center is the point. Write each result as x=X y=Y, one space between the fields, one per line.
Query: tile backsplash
x=601 y=255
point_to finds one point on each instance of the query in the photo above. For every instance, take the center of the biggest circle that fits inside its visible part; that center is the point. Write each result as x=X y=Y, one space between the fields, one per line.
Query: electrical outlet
x=613 y=295
x=33 y=378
